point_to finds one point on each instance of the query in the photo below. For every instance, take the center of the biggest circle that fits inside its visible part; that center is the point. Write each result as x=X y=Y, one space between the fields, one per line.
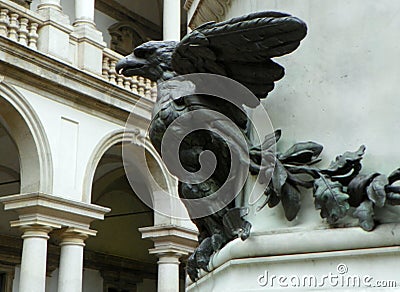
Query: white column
x=54 y=34
x=171 y=242
x=71 y=261
x=168 y=272
x=54 y=4
x=84 y=12
x=34 y=255
x=90 y=42
x=172 y=20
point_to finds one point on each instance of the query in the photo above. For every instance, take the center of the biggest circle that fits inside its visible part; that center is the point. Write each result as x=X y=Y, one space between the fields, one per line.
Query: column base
x=90 y=46
x=54 y=34
x=84 y=22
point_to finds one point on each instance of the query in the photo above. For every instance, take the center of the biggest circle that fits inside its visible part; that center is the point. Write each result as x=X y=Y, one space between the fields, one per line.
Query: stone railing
x=22 y=26
x=19 y=24
x=136 y=84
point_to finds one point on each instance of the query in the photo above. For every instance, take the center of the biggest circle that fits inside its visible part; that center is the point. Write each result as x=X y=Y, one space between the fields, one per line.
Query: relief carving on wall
x=125 y=37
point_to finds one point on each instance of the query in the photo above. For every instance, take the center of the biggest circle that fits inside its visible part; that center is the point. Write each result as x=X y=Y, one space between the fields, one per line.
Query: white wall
x=341 y=85
x=73 y=136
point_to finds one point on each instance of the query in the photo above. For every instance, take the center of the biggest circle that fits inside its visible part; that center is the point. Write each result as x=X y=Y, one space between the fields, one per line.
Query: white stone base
x=345 y=259
x=347 y=270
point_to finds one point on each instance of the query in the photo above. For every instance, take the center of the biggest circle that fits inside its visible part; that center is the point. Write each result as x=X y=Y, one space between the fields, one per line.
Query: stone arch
x=25 y=128
x=120 y=136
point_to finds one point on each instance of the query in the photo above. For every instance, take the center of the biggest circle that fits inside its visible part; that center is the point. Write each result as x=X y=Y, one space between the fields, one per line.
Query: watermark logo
x=341 y=278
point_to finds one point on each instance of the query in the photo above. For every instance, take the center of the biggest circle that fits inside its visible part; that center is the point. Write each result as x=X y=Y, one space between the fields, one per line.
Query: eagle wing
x=241 y=48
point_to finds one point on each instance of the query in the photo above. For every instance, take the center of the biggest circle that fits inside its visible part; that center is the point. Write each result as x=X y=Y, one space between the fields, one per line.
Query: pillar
x=171 y=243
x=168 y=271
x=172 y=20
x=71 y=261
x=38 y=214
x=34 y=256
x=54 y=34
x=84 y=12
x=90 y=44
x=53 y=4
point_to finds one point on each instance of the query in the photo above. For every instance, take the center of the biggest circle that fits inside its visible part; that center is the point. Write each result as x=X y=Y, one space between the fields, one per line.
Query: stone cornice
x=170 y=239
x=305 y=242
x=71 y=85
x=202 y=11
x=53 y=211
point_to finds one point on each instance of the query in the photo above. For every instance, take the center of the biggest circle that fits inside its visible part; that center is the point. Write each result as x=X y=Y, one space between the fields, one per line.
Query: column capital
x=35 y=231
x=171 y=240
x=169 y=252
x=38 y=211
x=32 y=224
x=168 y=259
x=74 y=236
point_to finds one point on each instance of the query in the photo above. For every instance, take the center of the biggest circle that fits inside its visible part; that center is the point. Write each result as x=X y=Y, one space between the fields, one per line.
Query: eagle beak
x=130 y=65
x=121 y=64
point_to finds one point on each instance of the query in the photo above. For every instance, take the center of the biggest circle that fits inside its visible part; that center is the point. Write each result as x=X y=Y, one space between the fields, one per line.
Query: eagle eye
x=143 y=53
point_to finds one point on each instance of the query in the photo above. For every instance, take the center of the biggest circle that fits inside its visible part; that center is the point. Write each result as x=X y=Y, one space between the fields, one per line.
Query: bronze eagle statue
x=240 y=49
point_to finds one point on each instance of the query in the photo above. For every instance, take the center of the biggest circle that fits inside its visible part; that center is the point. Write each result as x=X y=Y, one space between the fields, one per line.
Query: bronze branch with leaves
x=339 y=190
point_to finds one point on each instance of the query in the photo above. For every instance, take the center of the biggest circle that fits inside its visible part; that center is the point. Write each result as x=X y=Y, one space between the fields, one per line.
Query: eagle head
x=151 y=60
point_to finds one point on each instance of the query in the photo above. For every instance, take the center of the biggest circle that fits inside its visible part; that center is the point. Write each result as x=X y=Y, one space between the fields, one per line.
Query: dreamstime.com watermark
x=341 y=278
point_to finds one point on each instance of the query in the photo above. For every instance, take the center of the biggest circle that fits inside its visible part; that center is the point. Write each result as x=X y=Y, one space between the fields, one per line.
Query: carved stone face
x=122 y=40
x=151 y=60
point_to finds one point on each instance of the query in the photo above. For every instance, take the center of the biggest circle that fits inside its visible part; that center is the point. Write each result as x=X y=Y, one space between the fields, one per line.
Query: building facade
x=71 y=218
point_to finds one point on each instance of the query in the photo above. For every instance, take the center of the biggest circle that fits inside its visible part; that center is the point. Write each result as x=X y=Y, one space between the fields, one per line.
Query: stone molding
x=44 y=169
x=39 y=209
x=56 y=19
x=170 y=239
x=78 y=88
x=136 y=136
x=202 y=11
x=293 y=243
x=237 y=264
x=88 y=34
